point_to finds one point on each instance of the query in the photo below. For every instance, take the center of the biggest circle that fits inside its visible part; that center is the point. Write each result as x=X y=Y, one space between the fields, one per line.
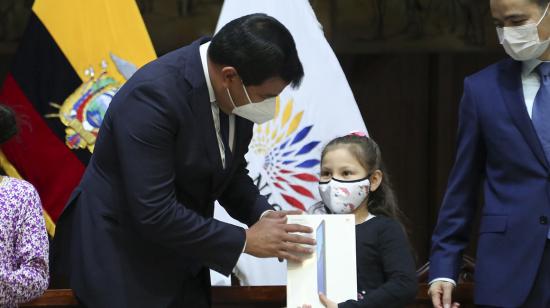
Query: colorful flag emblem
x=72 y=59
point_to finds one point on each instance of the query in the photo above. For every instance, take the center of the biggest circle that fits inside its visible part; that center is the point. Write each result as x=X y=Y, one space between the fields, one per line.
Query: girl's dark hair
x=8 y=123
x=383 y=200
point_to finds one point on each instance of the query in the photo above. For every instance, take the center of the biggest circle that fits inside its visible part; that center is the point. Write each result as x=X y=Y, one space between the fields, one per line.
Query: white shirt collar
x=369 y=217
x=529 y=66
x=203 y=50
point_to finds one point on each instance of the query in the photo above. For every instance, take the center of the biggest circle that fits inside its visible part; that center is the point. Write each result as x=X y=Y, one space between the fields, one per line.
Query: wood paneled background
x=410 y=105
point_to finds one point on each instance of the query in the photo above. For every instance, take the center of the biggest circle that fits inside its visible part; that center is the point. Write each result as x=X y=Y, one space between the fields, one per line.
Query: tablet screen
x=320 y=247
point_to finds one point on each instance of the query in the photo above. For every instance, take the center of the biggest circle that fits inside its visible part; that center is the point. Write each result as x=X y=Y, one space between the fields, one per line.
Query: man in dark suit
x=138 y=231
x=504 y=144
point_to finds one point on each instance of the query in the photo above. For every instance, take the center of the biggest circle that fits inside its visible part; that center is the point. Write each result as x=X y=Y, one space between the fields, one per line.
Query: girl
x=353 y=180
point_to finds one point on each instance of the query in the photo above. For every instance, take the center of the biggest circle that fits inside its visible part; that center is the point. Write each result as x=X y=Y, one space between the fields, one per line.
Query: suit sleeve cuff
x=443 y=279
x=244 y=246
x=242 y=251
x=265 y=213
x=261 y=206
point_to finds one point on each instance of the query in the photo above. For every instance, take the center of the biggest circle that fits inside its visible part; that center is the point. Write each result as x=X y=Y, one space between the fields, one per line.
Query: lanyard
x=216 y=118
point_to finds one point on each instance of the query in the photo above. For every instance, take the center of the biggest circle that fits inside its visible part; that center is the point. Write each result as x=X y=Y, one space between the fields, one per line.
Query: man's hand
x=281 y=214
x=270 y=237
x=441 y=293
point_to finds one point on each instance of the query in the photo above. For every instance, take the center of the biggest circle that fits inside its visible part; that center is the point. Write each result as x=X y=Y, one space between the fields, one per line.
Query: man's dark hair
x=8 y=123
x=259 y=47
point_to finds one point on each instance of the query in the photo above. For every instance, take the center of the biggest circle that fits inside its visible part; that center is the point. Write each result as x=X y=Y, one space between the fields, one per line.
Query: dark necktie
x=224 y=130
x=541 y=110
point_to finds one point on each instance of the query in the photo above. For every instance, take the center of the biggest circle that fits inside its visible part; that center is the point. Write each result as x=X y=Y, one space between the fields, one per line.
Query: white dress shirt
x=203 y=49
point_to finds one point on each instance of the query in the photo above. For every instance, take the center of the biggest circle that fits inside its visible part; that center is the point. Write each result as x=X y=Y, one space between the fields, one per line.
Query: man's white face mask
x=523 y=43
x=259 y=112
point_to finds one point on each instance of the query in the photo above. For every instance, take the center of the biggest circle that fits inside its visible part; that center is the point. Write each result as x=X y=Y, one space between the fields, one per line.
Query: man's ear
x=229 y=75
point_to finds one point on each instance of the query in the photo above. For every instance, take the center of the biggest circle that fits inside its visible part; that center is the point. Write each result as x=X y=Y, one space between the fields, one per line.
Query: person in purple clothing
x=23 y=238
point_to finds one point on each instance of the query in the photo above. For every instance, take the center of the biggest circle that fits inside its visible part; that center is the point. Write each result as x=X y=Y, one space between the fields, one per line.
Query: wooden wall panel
x=409 y=103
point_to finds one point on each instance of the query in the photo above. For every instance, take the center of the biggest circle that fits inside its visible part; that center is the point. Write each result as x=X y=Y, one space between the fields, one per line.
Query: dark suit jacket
x=497 y=147
x=138 y=231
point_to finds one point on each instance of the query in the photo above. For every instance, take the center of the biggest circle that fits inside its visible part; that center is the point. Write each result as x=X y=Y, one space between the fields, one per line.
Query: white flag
x=284 y=153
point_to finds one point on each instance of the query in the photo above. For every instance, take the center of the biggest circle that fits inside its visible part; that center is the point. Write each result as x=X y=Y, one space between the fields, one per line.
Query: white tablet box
x=336 y=258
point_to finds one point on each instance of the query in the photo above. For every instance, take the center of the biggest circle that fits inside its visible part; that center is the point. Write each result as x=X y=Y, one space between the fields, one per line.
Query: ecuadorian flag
x=73 y=58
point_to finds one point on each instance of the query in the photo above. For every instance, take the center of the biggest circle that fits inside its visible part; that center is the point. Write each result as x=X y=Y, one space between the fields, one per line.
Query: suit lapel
x=512 y=93
x=203 y=111
x=243 y=127
x=200 y=102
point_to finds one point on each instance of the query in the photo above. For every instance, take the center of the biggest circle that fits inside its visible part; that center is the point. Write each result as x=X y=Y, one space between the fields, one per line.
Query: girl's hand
x=327 y=302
